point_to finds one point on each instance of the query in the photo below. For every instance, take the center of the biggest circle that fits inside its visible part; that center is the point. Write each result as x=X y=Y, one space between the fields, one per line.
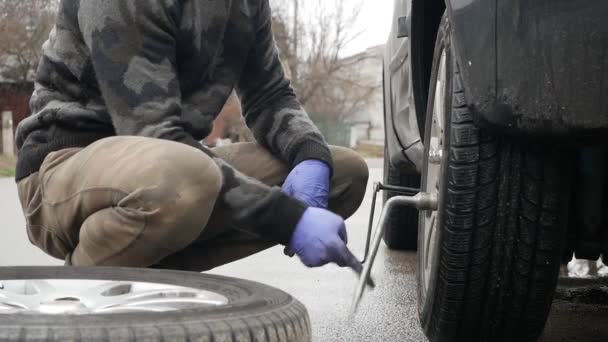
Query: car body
x=534 y=70
x=528 y=103
x=538 y=69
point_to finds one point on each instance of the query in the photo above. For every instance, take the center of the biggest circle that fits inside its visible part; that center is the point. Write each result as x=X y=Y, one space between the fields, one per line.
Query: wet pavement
x=387 y=313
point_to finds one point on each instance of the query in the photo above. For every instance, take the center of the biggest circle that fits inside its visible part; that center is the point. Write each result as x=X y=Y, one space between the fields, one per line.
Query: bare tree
x=312 y=36
x=24 y=26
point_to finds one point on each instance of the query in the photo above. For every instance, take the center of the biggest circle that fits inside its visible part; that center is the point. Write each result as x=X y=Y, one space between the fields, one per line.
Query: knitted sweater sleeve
x=270 y=106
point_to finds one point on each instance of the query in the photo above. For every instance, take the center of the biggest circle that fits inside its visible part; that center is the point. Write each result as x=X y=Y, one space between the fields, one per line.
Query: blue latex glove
x=320 y=238
x=309 y=182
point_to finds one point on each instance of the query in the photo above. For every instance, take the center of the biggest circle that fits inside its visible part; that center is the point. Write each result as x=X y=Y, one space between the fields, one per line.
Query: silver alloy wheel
x=63 y=296
x=434 y=171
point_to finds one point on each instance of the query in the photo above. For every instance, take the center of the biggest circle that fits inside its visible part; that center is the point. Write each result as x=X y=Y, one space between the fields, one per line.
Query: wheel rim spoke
x=60 y=296
x=434 y=167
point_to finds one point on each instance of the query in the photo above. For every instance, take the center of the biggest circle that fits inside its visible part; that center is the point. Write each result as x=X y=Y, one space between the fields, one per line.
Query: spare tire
x=123 y=304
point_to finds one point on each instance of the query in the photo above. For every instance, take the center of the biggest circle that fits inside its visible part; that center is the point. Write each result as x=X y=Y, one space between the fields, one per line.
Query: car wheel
x=121 y=304
x=489 y=257
x=402 y=223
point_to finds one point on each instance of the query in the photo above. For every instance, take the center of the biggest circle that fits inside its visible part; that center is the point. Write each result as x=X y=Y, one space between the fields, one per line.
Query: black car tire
x=490 y=272
x=255 y=312
x=402 y=223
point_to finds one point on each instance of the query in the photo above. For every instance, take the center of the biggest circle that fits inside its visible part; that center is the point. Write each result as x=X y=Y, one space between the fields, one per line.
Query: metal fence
x=336 y=133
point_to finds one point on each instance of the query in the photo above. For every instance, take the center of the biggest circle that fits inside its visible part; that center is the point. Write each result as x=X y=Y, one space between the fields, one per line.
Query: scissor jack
x=407 y=197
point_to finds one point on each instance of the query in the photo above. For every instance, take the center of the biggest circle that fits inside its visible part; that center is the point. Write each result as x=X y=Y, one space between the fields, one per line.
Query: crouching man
x=110 y=169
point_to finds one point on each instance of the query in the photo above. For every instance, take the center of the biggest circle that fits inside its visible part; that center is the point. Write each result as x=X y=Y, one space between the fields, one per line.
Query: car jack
x=407 y=197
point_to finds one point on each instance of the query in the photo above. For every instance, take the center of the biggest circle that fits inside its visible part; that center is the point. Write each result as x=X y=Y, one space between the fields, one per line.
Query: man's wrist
x=312 y=150
x=316 y=162
x=321 y=167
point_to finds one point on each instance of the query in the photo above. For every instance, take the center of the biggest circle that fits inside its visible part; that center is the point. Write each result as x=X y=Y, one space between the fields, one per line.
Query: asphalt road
x=386 y=314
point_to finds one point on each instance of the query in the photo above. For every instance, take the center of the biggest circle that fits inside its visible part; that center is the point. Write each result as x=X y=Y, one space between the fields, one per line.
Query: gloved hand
x=309 y=182
x=320 y=238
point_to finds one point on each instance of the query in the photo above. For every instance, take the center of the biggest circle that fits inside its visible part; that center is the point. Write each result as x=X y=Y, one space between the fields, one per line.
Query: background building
x=367 y=123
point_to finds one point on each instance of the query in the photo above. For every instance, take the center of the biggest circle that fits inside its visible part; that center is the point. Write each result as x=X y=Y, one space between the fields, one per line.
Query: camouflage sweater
x=164 y=69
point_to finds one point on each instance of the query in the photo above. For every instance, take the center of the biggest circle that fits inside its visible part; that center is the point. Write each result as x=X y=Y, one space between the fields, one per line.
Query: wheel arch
x=425 y=20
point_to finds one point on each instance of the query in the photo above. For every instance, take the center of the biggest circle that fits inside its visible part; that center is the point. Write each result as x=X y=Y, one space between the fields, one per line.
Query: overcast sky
x=375 y=21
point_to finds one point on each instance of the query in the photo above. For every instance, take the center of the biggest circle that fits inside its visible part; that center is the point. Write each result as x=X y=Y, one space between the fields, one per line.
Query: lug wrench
x=421 y=201
x=377 y=188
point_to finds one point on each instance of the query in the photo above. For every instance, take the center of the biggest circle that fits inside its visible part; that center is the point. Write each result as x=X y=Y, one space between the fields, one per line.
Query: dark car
x=500 y=107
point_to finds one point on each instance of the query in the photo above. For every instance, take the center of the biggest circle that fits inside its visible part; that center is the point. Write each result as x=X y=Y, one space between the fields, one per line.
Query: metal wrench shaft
x=377 y=188
x=421 y=201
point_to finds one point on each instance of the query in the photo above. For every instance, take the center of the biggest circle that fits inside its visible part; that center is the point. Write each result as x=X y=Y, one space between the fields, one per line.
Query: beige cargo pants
x=107 y=205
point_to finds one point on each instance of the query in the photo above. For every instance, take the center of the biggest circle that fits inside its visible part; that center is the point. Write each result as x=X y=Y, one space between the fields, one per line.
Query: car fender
x=403 y=135
x=534 y=69
x=473 y=34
